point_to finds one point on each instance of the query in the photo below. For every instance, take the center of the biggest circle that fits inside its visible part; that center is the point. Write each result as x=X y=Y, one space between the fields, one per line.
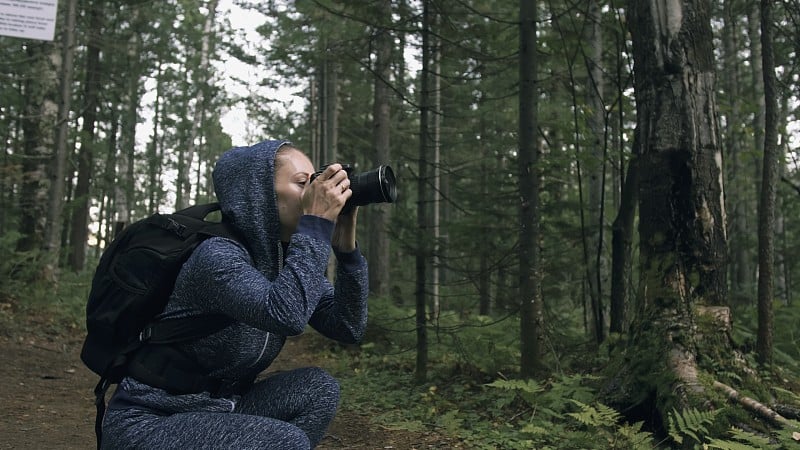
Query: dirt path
x=47 y=400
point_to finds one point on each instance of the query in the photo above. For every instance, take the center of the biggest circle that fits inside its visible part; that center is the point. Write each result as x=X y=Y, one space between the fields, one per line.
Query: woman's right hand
x=326 y=195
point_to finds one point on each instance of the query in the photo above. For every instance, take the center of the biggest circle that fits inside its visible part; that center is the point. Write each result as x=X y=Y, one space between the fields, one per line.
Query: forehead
x=293 y=161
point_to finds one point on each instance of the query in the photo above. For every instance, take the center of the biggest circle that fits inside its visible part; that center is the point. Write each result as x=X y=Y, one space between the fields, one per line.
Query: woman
x=271 y=287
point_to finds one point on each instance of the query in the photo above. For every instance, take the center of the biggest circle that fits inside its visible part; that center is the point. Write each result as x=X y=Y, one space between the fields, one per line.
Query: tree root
x=754 y=406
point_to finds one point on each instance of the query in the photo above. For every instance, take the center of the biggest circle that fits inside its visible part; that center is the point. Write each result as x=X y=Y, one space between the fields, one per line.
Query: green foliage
x=690 y=422
x=742 y=440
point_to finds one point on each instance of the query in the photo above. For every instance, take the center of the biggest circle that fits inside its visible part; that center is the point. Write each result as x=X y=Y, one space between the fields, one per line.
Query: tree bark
x=79 y=228
x=421 y=257
x=52 y=245
x=682 y=215
x=621 y=244
x=200 y=81
x=40 y=114
x=379 y=254
x=769 y=180
x=596 y=171
x=528 y=167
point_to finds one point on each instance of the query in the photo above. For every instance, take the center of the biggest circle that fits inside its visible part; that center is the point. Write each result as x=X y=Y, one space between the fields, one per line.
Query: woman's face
x=292 y=171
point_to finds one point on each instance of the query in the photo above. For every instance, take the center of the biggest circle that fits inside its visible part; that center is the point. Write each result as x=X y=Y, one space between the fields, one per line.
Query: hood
x=245 y=186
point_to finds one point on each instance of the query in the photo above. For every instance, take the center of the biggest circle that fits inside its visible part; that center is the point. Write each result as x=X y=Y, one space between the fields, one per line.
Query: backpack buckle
x=175 y=227
x=146 y=334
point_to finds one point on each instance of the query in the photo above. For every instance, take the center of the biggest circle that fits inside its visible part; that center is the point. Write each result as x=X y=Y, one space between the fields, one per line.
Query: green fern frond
x=690 y=422
x=600 y=416
x=527 y=386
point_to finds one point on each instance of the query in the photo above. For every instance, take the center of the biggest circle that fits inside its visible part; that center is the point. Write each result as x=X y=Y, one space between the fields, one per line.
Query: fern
x=600 y=416
x=743 y=440
x=691 y=422
x=526 y=389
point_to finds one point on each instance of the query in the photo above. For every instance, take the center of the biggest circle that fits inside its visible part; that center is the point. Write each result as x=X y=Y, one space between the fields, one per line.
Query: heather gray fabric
x=271 y=293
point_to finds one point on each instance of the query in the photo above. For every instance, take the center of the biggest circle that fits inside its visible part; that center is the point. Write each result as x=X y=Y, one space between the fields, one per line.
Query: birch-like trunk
x=200 y=80
x=52 y=245
x=41 y=112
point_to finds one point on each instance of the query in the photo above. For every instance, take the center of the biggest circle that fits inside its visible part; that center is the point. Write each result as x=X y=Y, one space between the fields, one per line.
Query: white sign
x=30 y=19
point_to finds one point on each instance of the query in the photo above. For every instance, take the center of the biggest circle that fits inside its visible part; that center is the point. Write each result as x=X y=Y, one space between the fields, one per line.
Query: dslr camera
x=374 y=186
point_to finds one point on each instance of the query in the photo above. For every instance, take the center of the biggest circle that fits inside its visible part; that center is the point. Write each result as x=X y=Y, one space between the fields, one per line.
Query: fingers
x=329 y=192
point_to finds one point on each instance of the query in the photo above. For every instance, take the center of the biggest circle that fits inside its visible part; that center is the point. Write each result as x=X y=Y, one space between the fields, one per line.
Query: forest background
x=574 y=257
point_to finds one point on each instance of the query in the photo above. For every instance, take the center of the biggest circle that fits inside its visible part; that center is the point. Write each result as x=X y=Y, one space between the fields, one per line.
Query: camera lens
x=375 y=186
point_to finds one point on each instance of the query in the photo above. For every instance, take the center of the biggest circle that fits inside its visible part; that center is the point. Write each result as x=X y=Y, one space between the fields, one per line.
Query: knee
x=325 y=384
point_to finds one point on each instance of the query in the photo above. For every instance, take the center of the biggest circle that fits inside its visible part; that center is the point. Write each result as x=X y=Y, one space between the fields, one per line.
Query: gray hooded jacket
x=271 y=293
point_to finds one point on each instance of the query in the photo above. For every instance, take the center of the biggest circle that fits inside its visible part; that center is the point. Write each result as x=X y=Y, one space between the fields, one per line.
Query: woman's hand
x=344 y=234
x=327 y=194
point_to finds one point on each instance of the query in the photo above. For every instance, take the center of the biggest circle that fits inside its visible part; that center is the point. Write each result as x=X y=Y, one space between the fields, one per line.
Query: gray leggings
x=288 y=410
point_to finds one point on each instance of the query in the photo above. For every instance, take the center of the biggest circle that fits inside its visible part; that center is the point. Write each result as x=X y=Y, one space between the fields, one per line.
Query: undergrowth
x=471 y=393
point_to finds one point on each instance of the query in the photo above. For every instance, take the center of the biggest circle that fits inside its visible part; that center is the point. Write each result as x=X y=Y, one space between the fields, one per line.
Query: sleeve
x=342 y=312
x=221 y=276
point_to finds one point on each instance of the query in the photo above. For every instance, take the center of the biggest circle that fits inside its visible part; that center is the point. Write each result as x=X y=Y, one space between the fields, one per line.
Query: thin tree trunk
x=528 y=166
x=621 y=244
x=435 y=197
x=153 y=162
x=596 y=171
x=421 y=292
x=52 y=245
x=737 y=186
x=125 y=167
x=200 y=80
x=379 y=253
x=79 y=229
x=769 y=180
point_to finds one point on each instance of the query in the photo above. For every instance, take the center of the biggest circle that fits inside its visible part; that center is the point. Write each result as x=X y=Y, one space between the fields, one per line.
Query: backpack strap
x=151 y=360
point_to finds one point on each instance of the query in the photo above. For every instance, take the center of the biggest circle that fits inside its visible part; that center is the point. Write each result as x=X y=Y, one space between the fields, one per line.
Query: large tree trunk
x=682 y=216
x=528 y=167
x=378 y=252
x=769 y=180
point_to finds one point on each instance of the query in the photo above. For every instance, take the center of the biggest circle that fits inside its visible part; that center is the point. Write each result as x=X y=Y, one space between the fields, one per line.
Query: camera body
x=374 y=186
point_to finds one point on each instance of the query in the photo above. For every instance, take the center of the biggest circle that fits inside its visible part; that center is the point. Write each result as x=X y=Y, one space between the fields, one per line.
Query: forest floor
x=47 y=401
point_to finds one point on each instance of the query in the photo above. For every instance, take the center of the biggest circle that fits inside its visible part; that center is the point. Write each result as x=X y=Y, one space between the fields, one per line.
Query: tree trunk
x=769 y=180
x=596 y=165
x=52 y=245
x=528 y=167
x=40 y=114
x=378 y=252
x=435 y=192
x=682 y=216
x=421 y=292
x=200 y=80
x=79 y=228
x=125 y=165
x=153 y=161
x=736 y=185
x=621 y=243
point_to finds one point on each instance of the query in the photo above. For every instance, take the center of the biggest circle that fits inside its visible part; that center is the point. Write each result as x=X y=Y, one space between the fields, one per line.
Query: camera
x=375 y=186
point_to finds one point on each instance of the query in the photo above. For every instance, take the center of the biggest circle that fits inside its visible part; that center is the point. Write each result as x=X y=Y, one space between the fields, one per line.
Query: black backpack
x=134 y=278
